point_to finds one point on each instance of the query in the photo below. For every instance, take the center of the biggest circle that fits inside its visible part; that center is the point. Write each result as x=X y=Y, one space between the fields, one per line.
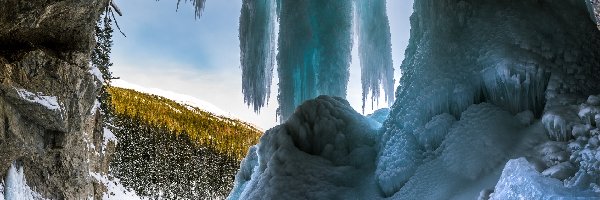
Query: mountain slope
x=167 y=150
x=226 y=136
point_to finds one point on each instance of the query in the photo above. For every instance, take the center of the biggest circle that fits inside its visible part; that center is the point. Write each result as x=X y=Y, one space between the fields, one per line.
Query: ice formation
x=314 y=54
x=465 y=52
x=198 y=6
x=497 y=99
x=374 y=49
x=520 y=180
x=15 y=186
x=326 y=150
x=257 y=45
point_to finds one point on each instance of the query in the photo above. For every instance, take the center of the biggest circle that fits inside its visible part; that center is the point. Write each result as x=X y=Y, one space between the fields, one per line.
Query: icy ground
x=326 y=150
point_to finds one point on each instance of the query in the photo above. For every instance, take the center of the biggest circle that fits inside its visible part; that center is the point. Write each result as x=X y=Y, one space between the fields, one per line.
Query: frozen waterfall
x=314 y=49
x=375 y=50
x=498 y=99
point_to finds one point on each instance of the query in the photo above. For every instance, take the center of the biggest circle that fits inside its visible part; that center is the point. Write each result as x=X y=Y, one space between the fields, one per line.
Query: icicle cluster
x=375 y=50
x=257 y=43
x=315 y=45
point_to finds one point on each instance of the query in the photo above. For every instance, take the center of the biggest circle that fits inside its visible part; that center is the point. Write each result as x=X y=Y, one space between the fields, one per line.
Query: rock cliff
x=49 y=124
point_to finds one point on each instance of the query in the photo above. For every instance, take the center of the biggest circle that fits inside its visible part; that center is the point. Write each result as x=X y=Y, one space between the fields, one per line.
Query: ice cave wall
x=484 y=82
x=516 y=55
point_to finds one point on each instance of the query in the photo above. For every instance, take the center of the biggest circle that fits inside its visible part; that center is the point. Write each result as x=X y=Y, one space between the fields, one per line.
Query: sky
x=171 y=50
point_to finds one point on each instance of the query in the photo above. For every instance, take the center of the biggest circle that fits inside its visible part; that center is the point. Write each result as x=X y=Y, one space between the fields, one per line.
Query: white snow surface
x=180 y=98
x=96 y=72
x=108 y=136
x=15 y=186
x=115 y=190
x=520 y=180
x=50 y=102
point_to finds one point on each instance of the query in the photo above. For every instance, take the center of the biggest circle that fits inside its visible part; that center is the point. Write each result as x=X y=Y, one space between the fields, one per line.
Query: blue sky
x=200 y=57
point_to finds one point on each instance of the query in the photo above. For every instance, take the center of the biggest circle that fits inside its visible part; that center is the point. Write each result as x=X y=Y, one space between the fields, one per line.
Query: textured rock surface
x=594 y=6
x=44 y=51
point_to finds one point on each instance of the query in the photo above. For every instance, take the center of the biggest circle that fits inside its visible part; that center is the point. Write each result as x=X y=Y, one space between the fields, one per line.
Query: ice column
x=315 y=43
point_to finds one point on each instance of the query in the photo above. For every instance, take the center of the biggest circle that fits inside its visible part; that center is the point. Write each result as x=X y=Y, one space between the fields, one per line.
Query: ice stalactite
x=315 y=42
x=257 y=43
x=198 y=5
x=315 y=45
x=374 y=49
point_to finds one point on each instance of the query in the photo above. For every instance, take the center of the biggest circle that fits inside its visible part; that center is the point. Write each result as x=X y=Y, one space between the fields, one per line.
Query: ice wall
x=465 y=52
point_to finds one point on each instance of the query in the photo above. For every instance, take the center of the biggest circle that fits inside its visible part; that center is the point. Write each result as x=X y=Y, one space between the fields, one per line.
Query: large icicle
x=374 y=49
x=315 y=42
x=257 y=43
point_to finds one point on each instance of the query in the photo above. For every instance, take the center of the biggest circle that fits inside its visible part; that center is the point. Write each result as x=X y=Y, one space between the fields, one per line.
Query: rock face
x=48 y=121
x=594 y=8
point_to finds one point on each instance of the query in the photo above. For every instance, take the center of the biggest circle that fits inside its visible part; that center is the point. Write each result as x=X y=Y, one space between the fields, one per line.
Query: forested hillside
x=174 y=151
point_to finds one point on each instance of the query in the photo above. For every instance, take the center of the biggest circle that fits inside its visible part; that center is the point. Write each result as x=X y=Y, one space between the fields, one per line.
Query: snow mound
x=325 y=150
x=480 y=141
x=520 y=180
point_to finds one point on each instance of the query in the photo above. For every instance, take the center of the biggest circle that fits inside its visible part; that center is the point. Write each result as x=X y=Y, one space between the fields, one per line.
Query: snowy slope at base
x=114 y=189
x=180 y=98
